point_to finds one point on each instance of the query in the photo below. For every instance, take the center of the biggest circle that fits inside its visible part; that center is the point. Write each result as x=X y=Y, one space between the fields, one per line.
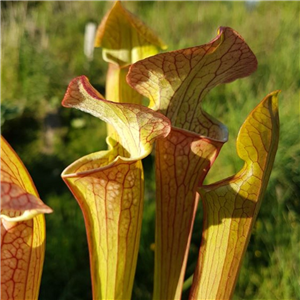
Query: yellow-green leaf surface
x=109 y=187
x=116 y=87
x=124 y=38
x=231 y=206
x=22 y=229
x=177 y=81
x=137 y=126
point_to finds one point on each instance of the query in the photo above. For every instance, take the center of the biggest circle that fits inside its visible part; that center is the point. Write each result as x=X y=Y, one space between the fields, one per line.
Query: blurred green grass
x=42 y=50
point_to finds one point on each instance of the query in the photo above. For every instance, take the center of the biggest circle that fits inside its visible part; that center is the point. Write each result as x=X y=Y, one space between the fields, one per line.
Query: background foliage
x=42 y=50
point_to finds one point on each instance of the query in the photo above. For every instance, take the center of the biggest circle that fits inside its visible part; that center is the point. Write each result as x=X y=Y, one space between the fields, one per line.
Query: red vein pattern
x=231 y=206
x=176 y=82
x=109 y=187
x=137 y=126
x=110 y=200
x=16 y=199
x=22 y=242
x=182 y=162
